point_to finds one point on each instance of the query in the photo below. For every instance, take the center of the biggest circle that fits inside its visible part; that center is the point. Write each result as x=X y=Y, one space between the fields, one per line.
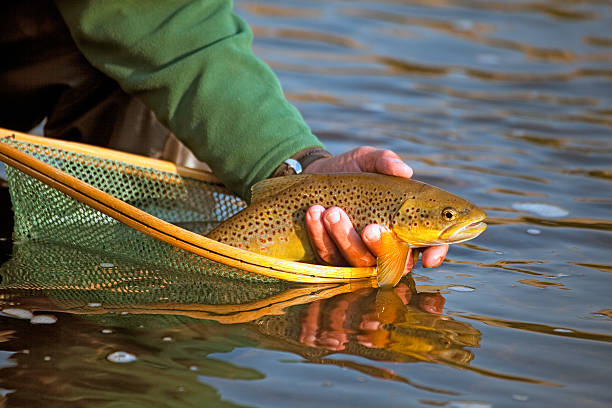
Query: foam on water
x=461 y=288
x=121 y=357
x=541 y=209
x=17 y=313
x=43 y=319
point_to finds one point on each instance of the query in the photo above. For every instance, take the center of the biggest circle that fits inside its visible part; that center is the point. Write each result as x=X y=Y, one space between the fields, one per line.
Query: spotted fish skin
x=274 y=225
x=274 y=222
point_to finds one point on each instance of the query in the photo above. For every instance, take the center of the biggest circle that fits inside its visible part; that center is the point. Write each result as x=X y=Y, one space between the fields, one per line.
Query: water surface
x=507 y=103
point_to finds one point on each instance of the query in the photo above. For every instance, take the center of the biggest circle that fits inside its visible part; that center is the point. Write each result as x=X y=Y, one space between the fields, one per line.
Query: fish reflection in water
x=389 y=324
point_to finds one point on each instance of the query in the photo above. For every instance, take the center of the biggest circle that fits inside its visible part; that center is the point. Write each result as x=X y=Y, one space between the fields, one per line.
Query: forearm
x=191 y=62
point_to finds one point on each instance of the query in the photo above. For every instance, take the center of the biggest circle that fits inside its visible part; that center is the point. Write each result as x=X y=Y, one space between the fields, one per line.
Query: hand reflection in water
x=329 y=323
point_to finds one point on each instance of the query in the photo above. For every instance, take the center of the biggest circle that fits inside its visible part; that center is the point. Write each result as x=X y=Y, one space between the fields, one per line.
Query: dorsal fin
x=273 y=186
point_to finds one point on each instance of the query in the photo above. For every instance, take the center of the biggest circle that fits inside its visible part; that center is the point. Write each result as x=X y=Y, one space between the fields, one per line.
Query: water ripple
x=581 y=223
x=540 y=328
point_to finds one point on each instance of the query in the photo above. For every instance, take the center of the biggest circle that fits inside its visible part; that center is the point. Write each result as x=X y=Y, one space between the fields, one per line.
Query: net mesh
x=46 y=215
x=76 y=276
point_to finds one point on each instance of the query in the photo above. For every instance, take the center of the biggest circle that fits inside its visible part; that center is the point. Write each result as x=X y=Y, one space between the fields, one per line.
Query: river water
x=506 y=103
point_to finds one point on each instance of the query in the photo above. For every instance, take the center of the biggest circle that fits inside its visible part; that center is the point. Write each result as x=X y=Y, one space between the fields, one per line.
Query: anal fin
x=390 y=265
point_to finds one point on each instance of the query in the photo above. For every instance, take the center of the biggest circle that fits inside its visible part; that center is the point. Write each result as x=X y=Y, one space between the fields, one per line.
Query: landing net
x=135 y=207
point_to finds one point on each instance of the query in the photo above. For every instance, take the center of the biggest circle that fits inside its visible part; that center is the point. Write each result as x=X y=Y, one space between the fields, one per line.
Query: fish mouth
x=468 y=232
x=455 y=234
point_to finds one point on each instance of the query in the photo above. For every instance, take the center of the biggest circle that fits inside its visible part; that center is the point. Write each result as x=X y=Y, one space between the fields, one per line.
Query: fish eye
x=449 y=214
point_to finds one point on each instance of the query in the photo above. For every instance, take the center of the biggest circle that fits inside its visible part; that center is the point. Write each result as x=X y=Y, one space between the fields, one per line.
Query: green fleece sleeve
x=191 y=62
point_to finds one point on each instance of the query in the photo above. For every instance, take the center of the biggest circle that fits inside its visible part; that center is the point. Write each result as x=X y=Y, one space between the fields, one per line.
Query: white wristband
x=294 y=164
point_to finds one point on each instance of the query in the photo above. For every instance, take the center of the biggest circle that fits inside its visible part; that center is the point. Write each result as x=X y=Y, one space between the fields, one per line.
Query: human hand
x=363 y=314
x=331 y=232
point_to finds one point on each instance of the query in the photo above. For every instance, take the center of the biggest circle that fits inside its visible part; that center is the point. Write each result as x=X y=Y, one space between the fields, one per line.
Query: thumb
x=393 y=167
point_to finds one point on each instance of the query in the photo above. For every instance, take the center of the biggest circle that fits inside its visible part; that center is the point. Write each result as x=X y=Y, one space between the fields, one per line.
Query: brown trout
x=416 y=215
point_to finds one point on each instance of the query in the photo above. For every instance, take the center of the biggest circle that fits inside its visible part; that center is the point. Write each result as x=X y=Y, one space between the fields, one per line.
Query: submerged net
x=75 y=277
x=52 y=277
x=46 y=215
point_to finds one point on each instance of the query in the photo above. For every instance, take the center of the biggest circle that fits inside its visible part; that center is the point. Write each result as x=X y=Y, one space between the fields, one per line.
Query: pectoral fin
x=390 y=266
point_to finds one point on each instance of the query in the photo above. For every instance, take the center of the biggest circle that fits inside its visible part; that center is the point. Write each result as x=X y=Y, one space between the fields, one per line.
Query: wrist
x=300 y=161
x=316 y=165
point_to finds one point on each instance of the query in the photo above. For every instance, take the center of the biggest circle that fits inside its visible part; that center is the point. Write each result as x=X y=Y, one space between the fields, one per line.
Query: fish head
x=434 y=217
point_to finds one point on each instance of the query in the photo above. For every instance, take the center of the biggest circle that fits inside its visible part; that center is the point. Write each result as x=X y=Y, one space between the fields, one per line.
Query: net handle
x=115 y=155
x=162 y=230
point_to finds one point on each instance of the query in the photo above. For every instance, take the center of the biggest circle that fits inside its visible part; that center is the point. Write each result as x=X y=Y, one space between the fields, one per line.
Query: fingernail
x=436 y=262
x=406 y=168
x=333 y=342
x=333 y=216
x=367 y=260
x=315 y=213
x=372 y=234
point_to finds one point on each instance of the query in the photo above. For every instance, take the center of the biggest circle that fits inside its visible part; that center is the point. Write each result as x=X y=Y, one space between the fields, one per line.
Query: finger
x=403 y=291
x=386 y=162
x=364 y=340
x=336 y=336
x=433 y=256
x=340 y=228
x=393 y=167
x=409 y=263
x=370 y=324
x=364 y=158
x=432 y=302
x=371 y=236
x=322 y=244
x=331 y=340
x=310 y=324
